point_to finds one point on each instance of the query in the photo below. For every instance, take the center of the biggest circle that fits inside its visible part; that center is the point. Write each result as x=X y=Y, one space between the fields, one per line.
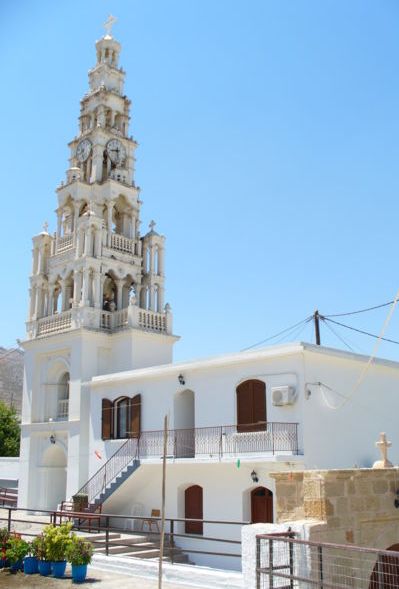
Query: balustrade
x=122 y=243
x=152 y=321
x=58 y=322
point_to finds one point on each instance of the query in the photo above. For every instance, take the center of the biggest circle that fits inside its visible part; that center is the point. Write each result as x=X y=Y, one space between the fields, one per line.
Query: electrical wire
x=337 y=335
x=279 y=333
x=385 y=339
x=366 y=368
x=360 y=310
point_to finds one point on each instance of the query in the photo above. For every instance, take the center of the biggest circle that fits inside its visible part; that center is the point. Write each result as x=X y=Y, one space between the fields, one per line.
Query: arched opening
x=184 y=421
x=109 y=293
x=386 y=570
x=251 y=406
x=121 y=416
x=57 y=298
x=193 y=509
x=63 y=397
x=53 y=479
x=261 y=506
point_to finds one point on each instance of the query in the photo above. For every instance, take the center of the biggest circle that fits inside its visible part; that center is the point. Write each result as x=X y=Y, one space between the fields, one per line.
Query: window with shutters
x=251 y=406
x=121 y=413
x=121 y=418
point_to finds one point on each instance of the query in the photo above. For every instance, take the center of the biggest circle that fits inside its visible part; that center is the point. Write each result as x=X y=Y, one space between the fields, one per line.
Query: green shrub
x=79 y=551
x=57 y=539
x=17 y=549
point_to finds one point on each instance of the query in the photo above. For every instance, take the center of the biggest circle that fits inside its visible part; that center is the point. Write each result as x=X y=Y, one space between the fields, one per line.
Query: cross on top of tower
x=152 y=225
x=109 y=23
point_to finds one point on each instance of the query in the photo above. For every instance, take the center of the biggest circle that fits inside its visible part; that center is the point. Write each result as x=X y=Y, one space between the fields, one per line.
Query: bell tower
x=96 y=291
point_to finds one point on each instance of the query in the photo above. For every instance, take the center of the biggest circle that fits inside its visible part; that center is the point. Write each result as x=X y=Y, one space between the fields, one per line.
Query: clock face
x=116 y=151
x=83 y=150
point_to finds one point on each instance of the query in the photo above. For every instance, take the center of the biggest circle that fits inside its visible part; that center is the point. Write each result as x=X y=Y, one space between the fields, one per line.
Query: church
x=99 y=372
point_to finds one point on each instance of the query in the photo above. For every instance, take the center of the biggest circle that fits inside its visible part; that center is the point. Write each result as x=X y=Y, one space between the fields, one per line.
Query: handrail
x=215 y=441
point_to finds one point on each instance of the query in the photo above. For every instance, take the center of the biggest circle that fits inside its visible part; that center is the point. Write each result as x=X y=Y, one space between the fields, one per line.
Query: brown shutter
x=107 y=419
x=135 y=417
x=193 y=509
x=244 y=406
x=259 y=404
x=251 y=406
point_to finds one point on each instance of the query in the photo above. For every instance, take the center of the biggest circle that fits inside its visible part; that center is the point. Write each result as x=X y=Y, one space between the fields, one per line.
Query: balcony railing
x=54 y=323
x=63 y=407
x=219 y=441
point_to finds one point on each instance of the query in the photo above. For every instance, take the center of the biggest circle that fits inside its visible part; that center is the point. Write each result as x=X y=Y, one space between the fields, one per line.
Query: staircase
x=134 y=545
x=124 y=462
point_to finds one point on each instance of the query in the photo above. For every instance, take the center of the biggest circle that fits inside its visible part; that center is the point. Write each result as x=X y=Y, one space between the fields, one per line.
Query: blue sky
x=269 y=148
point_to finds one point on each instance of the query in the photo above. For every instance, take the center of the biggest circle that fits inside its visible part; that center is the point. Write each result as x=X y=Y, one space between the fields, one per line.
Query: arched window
x=63 y=397
x=251 y=406
x=193 y=509
x=122 y=418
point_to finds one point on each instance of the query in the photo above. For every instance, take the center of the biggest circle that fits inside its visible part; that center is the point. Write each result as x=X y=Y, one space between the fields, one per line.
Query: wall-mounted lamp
x=396 y=502
x=52 y=439
x=181 y=380
x=254 y=477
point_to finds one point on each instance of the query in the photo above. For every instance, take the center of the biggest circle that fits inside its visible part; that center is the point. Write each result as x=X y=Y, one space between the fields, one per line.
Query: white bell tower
x=96 y=291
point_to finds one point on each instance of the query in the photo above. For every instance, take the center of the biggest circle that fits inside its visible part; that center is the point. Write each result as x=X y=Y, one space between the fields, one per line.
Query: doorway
x=193 y=509
x=261 y=506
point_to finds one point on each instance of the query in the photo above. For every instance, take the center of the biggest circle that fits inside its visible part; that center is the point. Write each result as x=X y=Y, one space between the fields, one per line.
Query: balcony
x=221 y=442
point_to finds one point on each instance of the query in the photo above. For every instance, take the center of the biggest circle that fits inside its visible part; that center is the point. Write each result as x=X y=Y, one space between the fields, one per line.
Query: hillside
x=11 y=376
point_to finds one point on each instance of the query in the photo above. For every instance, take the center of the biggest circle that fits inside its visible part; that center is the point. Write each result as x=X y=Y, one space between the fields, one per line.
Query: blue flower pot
x=30 y=565
x=79 y=572
x=44 y=567
x=2 y=563
x=16 y=566
x=59 y=568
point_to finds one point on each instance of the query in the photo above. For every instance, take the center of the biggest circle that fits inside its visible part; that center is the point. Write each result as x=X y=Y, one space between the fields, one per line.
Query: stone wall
x=355 y=506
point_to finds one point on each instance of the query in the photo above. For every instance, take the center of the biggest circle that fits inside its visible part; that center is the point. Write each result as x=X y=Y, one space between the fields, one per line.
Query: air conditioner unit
x=283 y=396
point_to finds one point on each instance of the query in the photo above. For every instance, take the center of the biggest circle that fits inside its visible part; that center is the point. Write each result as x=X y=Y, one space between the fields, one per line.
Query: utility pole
x=162 y=535
x=316 y=318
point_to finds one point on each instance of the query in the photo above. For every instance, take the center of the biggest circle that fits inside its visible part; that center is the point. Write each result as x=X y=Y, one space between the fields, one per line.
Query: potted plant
x=79 y=553
x=57 y=540
x=40 y=548
x=4 y=536
x=16 y=551
x=31 y=566
x=80 y=502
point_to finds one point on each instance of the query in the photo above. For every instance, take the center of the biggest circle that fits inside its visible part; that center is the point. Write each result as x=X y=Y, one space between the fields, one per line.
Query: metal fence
x=286 y=563
x=110 y=533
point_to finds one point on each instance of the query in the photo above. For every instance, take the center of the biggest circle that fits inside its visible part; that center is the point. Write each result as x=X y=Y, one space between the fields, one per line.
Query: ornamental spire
x=109 y=23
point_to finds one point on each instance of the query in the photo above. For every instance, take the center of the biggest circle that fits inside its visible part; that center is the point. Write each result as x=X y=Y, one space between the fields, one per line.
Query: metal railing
x=110 y=525
x=212 y=442
x=288 y=562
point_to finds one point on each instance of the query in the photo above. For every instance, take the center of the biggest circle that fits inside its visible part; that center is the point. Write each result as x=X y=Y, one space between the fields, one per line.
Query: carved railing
x=55 y=323
x=63 y=408
x=122 y=244
x=64 y=243
x=152 y=321
x=115 y=319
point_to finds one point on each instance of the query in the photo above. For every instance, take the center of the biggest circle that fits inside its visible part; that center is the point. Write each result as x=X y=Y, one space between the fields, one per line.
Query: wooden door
x=386 y=571
x=193 y=509
x=251 y=406
x=261 y=506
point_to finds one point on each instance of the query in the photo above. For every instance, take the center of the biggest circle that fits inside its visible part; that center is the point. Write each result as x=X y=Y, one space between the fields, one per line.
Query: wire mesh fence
x=286 y=563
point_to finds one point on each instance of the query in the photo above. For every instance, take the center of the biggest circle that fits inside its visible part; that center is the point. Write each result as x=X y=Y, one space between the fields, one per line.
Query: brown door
x=251 y=406
x=193 y=509
x=386 y=571
x=261 y=506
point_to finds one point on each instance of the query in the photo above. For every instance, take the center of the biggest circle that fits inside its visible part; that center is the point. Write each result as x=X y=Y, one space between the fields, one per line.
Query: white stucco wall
x=9 y=471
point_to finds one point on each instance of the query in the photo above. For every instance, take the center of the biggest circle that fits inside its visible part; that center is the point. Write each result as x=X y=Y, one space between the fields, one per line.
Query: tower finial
x=109 y=23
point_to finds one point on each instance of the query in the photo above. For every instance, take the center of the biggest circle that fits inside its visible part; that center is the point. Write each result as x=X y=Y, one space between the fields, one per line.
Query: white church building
x=99 y=371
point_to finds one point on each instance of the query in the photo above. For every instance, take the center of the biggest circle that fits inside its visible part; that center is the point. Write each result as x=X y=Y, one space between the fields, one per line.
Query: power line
x=337 y=335
x=279 y=333
x=385 y=339
x=360 y=310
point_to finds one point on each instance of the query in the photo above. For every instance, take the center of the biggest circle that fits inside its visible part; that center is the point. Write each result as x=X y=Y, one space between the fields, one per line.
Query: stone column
x=75 y=222
x=152 y=269
x=77 y=288
x=32 y=307
x=85 y=290
x=88 y=240
x=98 y=242
x=119 y=292
x=59 y=223
x=97 y=298
x=50 y=304
x=35 y=264
x=109 y=221
x=161 y=261
x=151 y=303
x=161 y=297
x=63 y=295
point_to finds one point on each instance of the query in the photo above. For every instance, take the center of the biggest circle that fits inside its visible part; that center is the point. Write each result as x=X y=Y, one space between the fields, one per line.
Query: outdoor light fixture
x=181 y=379
x=254 y=477
x=52 y=439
